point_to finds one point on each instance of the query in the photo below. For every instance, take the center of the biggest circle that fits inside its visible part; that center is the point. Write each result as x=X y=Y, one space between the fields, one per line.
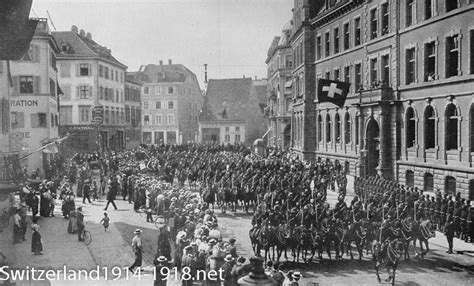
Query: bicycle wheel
x=86 y=235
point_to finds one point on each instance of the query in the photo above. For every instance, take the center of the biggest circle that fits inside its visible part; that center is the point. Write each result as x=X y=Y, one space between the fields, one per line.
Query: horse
x=254 y=234
x=356 y=233
x=304 y=237
x=208 y=196
x=333 y=234
x=405 y=235
x=247 y=196
x=421 y=231
x=226 y=198
x=285 y=240
x=387 y=253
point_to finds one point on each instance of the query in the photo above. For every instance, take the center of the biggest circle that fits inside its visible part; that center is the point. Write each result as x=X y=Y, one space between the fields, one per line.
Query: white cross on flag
x=333 y=91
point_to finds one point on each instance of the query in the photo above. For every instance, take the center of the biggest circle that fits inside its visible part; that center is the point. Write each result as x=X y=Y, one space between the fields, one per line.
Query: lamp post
x=257 y=276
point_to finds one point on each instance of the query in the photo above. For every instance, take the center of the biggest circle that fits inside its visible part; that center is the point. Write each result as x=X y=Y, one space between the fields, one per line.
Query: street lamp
x=257 y=276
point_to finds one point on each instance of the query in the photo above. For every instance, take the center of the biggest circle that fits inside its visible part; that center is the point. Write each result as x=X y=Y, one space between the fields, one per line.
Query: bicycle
x=86 y=236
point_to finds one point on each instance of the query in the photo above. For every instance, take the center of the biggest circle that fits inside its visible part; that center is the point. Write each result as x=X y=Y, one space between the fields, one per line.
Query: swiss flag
x=333 y=91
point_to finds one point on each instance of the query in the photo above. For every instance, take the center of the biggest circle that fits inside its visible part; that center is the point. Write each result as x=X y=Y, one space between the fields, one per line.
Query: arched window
x=471 y=190
x=428 y=182
x=451 y=123
x=471 y=127
x=410 y=127
x=320 y=128
x=450 y=185
x=347 y=167
x=337 y=128
x=410 y=178
x=357 y=130
x=430 y=127
x=347 y=128
x=328 y=128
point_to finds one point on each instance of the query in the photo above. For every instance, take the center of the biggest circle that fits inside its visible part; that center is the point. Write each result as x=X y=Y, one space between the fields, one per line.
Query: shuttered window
x=17 y=119
x=65 y=69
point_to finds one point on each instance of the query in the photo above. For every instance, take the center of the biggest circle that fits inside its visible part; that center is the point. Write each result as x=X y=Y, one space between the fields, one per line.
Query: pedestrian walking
x=449 y=232
x=17 y=229
x=105 y=221
x=111 y=195
x=86 y=192
x=36 y=240
x=137 y=248
x=94 y=191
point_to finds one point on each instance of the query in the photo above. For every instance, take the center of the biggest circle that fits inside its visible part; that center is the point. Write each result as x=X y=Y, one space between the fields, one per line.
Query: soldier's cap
x=188 y=248
x=137 y=231
x=232 y=240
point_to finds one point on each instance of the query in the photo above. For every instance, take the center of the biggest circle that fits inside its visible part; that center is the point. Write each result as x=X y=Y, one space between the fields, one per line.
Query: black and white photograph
x=236 y=142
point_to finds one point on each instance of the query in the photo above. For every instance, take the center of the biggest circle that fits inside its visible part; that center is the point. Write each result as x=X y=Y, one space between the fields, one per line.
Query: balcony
x=376 y=92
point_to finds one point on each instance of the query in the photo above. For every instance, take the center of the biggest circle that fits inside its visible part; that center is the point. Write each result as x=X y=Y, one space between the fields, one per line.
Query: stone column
x=384 y=167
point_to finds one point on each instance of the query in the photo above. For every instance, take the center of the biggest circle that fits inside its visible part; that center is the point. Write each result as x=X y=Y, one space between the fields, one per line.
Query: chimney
x=161 y=63
x=243 y=76
x=74 y=29
x=255 y=77
x=82 y=33
x=89 y=36
x=170 y=62
x=205 y=73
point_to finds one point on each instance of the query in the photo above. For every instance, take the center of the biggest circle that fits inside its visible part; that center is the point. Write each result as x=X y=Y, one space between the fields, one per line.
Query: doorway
x=373 y=147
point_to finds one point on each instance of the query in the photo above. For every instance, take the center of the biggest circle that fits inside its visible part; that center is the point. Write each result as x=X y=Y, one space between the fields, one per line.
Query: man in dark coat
x=449 y=232
x=111 y=194
x=86 y=191
x=188 y=262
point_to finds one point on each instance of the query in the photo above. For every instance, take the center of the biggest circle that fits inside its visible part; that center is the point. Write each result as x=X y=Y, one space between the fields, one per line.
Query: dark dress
x=36 y=244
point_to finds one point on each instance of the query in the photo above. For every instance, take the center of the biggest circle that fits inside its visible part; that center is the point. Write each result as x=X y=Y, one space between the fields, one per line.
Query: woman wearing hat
x=36 y=241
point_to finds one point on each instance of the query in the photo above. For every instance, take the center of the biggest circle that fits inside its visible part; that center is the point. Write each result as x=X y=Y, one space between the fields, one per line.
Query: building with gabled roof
x=34 y=112
x=171 y=100
x=90 y=76
x=231 y=112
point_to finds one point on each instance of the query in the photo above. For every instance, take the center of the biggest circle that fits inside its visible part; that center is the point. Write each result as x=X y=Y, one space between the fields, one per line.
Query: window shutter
x=1 y=67
x=5 y=115
x=37 y=84
x=16 y=85
x=91 y=95
x=36 y=53
x=78 y=90
x=78 y=69
x=34 y=120
x=90 y=70
x=20 y=119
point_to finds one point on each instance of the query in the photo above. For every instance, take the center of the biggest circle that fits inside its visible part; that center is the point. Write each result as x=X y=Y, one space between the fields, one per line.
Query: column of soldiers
x=436 y=208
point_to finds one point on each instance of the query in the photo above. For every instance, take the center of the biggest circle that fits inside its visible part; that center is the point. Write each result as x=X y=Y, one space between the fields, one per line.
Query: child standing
x=105 y=221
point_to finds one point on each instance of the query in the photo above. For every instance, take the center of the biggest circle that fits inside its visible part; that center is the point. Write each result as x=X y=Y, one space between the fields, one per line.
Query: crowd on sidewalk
x=282 y=190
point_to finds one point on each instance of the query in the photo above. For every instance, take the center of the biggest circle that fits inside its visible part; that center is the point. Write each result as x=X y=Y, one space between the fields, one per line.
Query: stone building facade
x=133 y=90
x=34 y=112
x=279 y=96
x=409 y=113
x=171 y=100
x=90 y=76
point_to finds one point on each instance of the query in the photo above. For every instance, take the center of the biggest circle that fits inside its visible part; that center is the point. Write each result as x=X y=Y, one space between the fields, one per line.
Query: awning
x=289 y=83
